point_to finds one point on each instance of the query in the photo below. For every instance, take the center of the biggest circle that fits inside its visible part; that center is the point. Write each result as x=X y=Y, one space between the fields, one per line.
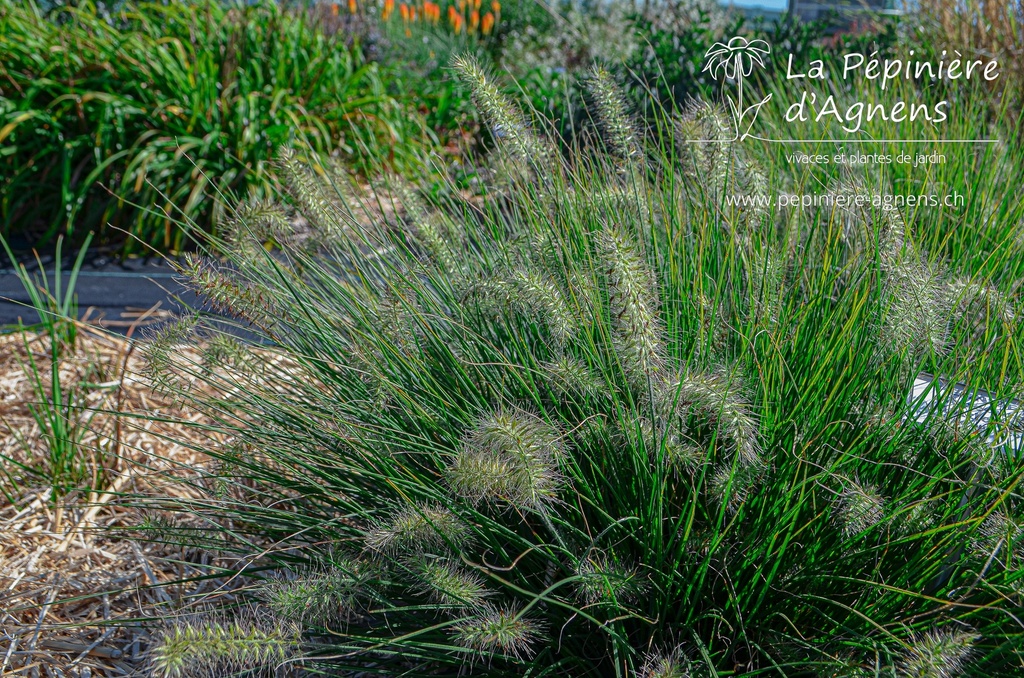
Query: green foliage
x=59 y=409
x=122 y=121
x=56 y=305
x=605 y=424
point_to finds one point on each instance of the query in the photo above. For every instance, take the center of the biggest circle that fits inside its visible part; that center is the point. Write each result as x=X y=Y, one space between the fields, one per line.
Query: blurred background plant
x=111 y=120
x=974 y=29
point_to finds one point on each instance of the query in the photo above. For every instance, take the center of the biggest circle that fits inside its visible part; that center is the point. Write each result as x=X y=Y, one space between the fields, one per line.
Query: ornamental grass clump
x=547 y=433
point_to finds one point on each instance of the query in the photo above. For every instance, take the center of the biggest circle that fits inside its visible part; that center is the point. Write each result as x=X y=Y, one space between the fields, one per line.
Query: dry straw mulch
x=77 y=587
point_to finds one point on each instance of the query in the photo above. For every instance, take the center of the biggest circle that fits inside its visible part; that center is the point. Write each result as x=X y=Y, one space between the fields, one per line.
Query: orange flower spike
x=496 y=7
x=403 y=9
x=474 y=20
x=334 y=9
x=476 y=4
x=352 y=6
x=459 y=23
x=487 y=23
x=451 y=15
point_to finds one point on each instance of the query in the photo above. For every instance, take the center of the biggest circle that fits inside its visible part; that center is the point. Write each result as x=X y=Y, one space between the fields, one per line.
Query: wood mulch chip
x=76 y=586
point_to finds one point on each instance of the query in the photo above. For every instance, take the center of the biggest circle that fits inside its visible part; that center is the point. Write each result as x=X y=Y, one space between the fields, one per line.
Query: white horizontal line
x=878 y=141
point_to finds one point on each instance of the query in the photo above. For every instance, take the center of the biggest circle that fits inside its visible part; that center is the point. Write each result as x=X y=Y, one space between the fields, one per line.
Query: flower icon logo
x=736 y=60
x=737 y=57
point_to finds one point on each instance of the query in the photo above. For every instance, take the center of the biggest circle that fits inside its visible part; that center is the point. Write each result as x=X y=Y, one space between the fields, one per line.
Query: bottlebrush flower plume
x=417 y=529
x=511 y=456
x=498 y=631
x=942 y=653
x=633 y=303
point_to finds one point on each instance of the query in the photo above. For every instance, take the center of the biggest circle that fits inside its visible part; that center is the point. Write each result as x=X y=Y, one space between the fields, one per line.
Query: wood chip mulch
x=76 y=586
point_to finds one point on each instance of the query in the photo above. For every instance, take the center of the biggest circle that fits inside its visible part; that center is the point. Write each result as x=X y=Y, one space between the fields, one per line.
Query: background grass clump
x=603 y=424
x=114 y=121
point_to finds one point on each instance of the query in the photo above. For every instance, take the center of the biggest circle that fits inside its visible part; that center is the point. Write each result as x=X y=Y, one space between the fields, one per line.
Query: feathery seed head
x=941 y=653
x=920 y=518
x=498 y=631
x=417 y=529
x=866 y=229
x=309 y=195
x=507 y=122
x=756 y=186
x=672 y=664
x=570 y=377
x=435 y=232
x=620 y=132
x=479 y=476
x=213 y=648
x=633 y=301
x=980 y=305
x=716 y=395
x=226 y=294
x=223 y=351
x=601 y=580
x=998 y=534
x=160 y=349
x=533 y=293
x=914 y=320
x=732 y=486
x=512 y=456
x=765 y=281
x=451 y=585
x=263 y=220
x=322 y=598
x=893 y=240
x=858 y=508
x=518 y=433
x=681 y=454
x=704 y=131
